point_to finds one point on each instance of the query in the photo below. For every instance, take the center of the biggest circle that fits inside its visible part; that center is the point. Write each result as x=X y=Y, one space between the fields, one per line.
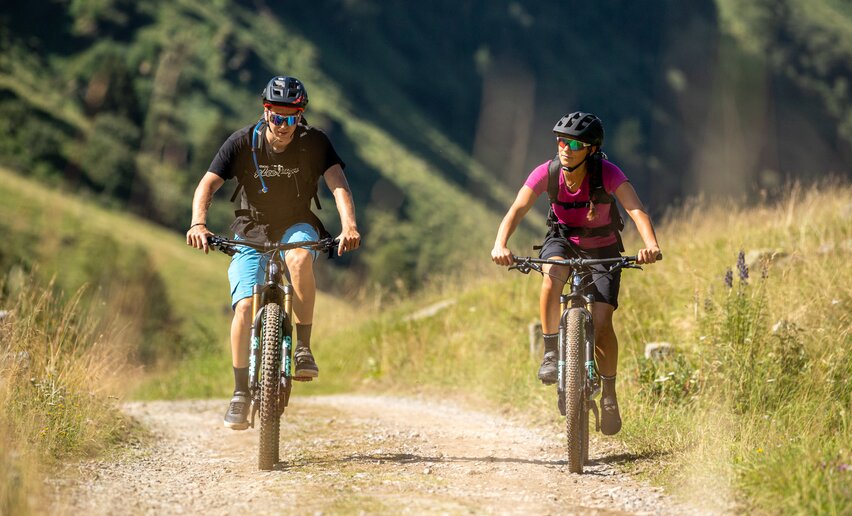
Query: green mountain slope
x=155 y=88
x=439 y=108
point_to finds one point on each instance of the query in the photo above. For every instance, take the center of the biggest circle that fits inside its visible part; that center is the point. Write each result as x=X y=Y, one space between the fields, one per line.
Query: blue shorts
x=249 y=266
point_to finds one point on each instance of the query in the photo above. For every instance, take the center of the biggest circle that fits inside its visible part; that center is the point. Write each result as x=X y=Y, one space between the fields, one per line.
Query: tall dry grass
x=753 y=411
x=59 y=365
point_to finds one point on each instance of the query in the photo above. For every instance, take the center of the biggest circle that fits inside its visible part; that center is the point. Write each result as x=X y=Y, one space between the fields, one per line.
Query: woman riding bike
x=583 y=223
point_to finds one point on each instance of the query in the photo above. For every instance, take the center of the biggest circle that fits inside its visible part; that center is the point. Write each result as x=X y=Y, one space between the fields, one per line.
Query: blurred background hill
x=440 y=109
x=111 y=111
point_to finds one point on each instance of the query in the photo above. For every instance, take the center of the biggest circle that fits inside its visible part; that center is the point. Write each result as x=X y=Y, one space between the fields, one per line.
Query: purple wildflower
x=742 y=268
x=729 y=278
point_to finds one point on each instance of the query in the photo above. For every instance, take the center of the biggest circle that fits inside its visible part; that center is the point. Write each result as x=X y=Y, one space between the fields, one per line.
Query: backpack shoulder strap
x=254 y=149
x=553 y=169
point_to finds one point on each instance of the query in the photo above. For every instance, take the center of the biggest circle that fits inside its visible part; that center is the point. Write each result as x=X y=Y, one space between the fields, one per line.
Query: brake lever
x=217 y=243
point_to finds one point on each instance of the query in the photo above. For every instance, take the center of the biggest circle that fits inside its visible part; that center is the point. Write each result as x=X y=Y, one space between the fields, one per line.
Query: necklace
x=575 y=184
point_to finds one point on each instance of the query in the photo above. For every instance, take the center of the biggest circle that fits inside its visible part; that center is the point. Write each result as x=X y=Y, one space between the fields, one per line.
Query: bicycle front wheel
x=269 y=384
x=575 y=399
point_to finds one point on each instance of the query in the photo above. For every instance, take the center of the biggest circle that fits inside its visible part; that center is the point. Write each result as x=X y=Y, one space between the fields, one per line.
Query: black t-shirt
x=291 y=177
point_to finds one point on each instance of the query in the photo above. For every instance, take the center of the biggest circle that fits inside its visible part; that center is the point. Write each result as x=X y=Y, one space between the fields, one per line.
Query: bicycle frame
x=273 y=290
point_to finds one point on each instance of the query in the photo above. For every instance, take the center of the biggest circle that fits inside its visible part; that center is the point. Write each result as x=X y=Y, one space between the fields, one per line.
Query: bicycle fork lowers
x=263 y=337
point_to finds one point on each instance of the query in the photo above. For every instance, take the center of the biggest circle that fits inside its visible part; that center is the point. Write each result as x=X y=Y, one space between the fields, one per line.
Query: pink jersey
x=612 y=177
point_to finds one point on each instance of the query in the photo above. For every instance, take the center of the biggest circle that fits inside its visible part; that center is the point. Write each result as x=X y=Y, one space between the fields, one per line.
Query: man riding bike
x=583 y=223
x=277 y=164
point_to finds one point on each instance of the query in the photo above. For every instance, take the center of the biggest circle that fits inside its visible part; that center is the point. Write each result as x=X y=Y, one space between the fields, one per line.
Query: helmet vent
x=285 y=91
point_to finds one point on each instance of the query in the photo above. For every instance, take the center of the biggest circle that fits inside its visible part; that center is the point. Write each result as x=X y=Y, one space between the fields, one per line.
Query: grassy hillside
x=753 y=409
x=173 y=300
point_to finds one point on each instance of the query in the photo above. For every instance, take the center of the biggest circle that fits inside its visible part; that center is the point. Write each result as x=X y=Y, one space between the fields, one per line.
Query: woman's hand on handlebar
x=649 y=255
x=197 y=237
x=501 y=255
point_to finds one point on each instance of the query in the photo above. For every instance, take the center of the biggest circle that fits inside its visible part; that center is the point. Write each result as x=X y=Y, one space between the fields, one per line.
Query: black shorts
x=604 y=285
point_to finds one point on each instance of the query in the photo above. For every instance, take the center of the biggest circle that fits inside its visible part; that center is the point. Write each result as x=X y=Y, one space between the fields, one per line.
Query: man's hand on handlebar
x=197 y=235
x=501 y=255
x=350 y=239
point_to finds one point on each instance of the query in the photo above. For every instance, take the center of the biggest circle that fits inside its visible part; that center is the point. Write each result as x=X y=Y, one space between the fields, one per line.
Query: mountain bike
x=578 y=382
x=271 y=339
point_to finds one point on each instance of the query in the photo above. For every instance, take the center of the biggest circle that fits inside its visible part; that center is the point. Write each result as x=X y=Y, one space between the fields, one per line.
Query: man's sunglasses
x=574 y=145
x=277 y=119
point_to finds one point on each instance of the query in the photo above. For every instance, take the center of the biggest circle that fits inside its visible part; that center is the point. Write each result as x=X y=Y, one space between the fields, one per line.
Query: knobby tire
x=575 y=403
x=270 y=380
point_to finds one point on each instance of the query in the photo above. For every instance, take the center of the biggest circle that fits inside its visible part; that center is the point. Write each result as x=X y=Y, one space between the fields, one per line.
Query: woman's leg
x=551 y=288
x=606 y=343
x=606 y=354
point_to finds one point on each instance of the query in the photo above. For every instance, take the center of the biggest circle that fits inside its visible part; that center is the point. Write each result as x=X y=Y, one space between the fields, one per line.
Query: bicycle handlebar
x=229 y=247
x=525 y=264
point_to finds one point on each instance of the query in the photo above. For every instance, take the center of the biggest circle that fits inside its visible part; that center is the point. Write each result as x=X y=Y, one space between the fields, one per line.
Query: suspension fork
x=287 y=344
x=254 y=350
x=254 y=342
x=561 y=353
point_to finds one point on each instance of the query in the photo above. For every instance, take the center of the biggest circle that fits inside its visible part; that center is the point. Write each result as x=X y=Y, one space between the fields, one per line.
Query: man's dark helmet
x=285 y=91
x=584 y=127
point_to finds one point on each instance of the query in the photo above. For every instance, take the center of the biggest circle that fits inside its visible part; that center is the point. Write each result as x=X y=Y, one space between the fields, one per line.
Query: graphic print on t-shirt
x=276 y=171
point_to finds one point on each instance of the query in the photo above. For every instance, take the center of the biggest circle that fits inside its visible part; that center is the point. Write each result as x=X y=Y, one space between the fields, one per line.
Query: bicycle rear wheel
x=269 y=384
x=575 y=399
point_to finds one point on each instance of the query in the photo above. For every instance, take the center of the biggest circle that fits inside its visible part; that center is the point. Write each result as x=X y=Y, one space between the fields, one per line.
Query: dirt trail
x=353 y=454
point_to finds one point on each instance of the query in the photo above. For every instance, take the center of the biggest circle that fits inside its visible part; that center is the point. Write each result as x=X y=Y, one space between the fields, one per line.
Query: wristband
x=198 y=224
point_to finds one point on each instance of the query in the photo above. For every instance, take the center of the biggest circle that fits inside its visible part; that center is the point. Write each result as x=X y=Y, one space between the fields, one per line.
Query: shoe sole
x=306 y=373
x=547 y=381
x=236 y=426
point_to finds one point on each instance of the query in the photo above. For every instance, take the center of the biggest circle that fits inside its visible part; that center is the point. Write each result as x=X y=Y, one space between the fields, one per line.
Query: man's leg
x=243 y=275
x=300 y=264
x=240 y=329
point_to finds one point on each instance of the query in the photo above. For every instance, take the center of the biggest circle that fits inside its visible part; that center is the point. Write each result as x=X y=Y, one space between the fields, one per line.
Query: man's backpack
x=597 y=195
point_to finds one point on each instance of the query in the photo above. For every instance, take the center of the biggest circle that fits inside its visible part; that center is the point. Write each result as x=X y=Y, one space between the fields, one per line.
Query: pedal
x=596 y=392
x=303 y=378
x=594 y=407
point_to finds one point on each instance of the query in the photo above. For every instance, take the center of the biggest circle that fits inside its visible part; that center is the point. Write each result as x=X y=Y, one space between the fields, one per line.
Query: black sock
x=241 y=379
x=551 y=342
x=303 y=333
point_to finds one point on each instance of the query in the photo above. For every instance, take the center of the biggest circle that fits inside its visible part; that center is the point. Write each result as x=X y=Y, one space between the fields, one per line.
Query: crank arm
x=594 y=407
